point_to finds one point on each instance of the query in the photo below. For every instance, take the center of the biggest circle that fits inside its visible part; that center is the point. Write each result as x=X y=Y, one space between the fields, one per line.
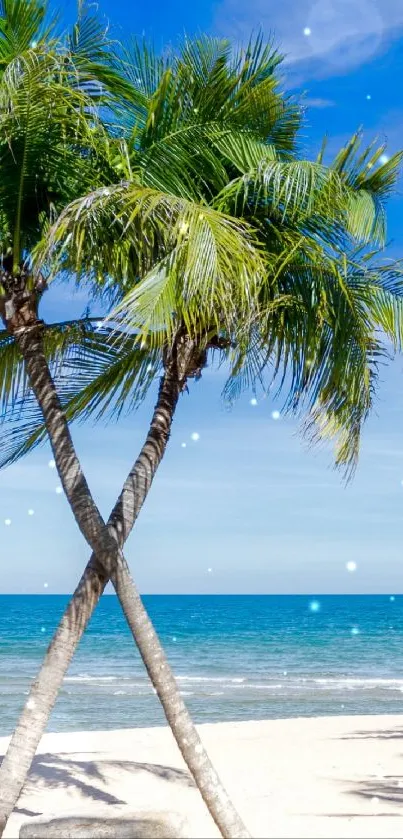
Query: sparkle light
x=307 y=31
x=355 y=630
x=7 y=522
x=31 y=512
x=46 y=585
x=43 y=629
x=368 y=96
x=392 y=597
x=58 y=490
x=275 y=415
x=195 y=436
x=52 y=464
x=384 y=158
x=314 y=606
x=210 y=570
x=253 y=402
x=174 y=639
x=351 y=566
x=183 y=445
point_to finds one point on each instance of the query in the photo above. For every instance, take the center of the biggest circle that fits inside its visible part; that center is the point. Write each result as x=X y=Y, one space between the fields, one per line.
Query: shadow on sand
x=378 y=791
x=381 y=734
x=89 y=777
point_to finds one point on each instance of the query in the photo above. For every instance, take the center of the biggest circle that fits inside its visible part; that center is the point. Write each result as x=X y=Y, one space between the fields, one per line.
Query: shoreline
x=296 y=777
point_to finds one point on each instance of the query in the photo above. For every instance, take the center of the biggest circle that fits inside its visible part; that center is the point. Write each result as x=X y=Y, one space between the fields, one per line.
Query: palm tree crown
x=202 y=226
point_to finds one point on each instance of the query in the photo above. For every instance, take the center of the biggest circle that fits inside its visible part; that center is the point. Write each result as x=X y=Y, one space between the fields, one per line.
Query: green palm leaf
x=23 y=24
x=44 y=130
x=370 y=181
x=189 y=210
x=197 y=264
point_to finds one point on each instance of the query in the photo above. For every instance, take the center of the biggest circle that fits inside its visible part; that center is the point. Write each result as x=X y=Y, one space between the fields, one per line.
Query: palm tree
x=204 y=267
x=52 y=144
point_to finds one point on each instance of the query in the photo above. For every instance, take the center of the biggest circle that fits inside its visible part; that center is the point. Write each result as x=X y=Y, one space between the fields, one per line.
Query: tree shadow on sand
x=64 y=771
x=377 y=791
x=381 y=734
x=386 y=789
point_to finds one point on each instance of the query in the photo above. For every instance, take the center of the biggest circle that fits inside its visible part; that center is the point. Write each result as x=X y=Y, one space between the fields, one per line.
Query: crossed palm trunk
x=107 y=562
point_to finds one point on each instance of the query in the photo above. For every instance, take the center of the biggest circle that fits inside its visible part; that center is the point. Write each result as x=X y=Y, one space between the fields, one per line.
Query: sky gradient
x=246 y=508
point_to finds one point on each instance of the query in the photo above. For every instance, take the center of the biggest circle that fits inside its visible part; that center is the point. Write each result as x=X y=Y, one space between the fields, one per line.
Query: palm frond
x=205 y=262
x=44 y=130
x=370 y=181
x=293 y=190
x=24 y=24
x=324 y=339
x=93 y=59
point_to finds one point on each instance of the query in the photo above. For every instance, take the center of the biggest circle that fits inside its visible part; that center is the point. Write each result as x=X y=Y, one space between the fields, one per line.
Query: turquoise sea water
x=236 y=657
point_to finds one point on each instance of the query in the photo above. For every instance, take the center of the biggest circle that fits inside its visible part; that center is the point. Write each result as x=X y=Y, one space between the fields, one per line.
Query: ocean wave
x=215 y=679
x=237 y=684
x=365 y=682
x=86 y=678
x=295 y=684
x=292 y=683
x=265 y=687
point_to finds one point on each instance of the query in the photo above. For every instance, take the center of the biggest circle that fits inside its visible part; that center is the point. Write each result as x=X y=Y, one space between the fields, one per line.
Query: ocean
x=235 y=658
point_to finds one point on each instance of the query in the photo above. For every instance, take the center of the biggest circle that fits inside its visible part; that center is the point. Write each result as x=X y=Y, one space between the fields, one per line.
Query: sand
x=322 y=777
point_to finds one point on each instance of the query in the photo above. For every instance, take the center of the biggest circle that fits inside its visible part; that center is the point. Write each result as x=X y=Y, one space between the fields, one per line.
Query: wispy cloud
x=318 y=103
x=339 y=34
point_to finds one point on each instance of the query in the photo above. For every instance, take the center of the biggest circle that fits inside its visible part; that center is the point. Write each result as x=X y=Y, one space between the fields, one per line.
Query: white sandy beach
x=322 y=777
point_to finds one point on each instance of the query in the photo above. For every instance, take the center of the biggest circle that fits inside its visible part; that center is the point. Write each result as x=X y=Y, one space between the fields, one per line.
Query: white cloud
x=315 y=102
x=343 y=33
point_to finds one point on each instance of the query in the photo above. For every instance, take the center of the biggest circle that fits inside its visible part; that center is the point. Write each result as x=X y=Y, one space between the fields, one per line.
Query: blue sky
x=245 y=508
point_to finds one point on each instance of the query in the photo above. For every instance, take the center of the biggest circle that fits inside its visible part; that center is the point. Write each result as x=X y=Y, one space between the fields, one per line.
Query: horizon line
x=217 y=594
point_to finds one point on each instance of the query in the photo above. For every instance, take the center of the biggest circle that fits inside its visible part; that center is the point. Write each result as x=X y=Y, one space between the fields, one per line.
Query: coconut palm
x=191 y=279
x=52 y=147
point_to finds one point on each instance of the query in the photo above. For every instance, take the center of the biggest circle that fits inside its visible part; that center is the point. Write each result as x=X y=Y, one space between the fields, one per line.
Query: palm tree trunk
x=85 y=511
x=193 y=752
x=108 y=562
x=45 y=688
